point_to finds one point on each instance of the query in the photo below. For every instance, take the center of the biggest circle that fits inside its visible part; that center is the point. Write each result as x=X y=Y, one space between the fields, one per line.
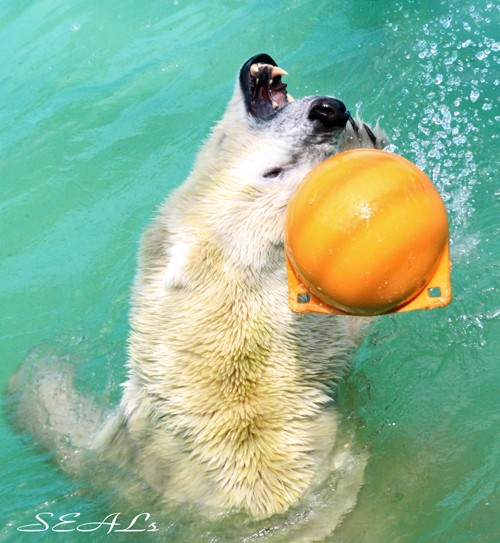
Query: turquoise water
x=102 y=108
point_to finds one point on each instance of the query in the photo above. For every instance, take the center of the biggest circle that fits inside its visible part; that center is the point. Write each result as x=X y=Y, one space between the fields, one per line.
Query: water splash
x=446 y=98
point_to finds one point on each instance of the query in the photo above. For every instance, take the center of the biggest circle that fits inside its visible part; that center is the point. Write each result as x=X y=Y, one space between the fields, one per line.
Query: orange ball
x=365 y=231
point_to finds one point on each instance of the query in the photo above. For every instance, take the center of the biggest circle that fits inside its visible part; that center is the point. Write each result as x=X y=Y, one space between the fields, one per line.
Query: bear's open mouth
x=261 y=84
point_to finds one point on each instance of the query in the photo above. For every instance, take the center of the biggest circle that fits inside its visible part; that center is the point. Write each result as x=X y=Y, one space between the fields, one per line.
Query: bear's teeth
x=256 y=69
x=259 y=67
x=277 y=71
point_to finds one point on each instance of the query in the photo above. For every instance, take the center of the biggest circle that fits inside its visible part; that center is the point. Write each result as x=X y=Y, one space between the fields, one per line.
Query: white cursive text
x=70 y=522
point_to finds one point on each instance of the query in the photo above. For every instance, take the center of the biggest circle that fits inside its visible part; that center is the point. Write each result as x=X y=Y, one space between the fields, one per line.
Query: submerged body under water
x=104 y=110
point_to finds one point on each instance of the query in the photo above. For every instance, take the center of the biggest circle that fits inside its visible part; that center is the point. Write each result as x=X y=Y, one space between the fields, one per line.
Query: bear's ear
x=263 y=91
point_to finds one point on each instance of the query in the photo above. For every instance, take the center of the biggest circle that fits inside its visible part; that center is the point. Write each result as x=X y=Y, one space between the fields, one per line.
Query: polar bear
x=228 y=401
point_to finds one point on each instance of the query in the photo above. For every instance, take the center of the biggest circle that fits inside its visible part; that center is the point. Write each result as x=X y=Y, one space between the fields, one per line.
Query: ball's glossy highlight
x=366 y=233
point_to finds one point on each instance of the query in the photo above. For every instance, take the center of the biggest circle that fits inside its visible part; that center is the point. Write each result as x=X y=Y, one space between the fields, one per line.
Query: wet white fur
x=228 y=398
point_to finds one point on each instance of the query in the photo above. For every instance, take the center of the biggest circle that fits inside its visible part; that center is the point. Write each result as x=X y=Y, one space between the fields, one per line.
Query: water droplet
x=474 y=95
x=446 y=21
x=451 y=58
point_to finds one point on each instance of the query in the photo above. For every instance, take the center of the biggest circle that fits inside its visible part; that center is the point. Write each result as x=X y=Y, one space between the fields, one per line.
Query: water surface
x=103 y=106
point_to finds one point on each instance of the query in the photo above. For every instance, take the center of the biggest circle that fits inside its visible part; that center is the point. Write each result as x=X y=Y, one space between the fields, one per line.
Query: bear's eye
x=273 y=172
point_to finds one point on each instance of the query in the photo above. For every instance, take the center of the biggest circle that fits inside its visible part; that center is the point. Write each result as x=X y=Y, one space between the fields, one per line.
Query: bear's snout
x=330 y=112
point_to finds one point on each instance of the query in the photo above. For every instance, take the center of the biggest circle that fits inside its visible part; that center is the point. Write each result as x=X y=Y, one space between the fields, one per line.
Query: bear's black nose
x=330 y=112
